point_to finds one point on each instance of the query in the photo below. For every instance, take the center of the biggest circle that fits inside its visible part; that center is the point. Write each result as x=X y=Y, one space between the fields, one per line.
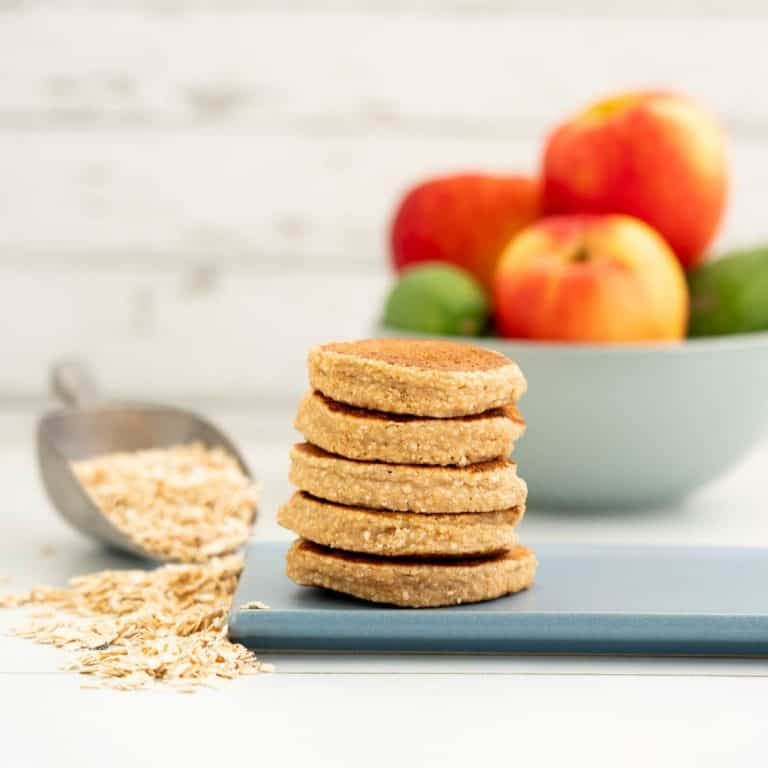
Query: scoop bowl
x=88 y=427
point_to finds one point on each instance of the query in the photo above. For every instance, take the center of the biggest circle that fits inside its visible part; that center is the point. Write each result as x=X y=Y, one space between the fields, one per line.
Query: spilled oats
x=130 y=629
x=133 y=628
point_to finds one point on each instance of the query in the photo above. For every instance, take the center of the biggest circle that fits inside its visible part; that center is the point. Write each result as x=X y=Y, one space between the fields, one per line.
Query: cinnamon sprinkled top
x=428 y=354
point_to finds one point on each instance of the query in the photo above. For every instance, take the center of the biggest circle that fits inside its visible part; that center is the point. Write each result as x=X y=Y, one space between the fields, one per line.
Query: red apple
x=657 y=156
x=590 y=278
x=464 y=220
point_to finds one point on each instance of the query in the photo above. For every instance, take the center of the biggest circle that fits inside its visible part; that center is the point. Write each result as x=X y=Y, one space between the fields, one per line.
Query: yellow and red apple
x=590 y=278
x=465 y=219
x=657 y=156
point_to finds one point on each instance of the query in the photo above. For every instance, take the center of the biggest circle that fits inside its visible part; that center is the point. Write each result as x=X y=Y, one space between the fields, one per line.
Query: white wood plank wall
x=191 y=194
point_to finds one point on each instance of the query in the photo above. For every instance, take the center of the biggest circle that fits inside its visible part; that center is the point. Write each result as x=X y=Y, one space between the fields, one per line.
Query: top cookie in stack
x=407 y=458
x=441 y=379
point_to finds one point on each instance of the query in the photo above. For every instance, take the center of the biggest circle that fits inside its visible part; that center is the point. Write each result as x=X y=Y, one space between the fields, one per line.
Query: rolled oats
x=187 y=503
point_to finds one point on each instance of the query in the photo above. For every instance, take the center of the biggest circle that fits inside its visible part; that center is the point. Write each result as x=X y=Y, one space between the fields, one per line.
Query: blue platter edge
x=689 y=601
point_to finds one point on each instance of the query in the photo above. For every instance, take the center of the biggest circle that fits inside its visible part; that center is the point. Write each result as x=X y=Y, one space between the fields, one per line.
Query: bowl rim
x=704 y=344
x=699 y=344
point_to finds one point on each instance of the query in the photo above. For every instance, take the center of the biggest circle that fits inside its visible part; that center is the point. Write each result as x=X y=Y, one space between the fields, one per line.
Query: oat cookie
x=487 y=487
x=378 y=532
x=402 y=439
x=411 y=583
x=421 y=377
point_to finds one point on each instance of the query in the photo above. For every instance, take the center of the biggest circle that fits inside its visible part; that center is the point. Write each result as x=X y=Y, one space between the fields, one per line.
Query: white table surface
x=372 y=710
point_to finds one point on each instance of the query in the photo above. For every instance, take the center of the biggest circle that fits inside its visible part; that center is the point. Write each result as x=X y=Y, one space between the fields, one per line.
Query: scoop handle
x=73 y=384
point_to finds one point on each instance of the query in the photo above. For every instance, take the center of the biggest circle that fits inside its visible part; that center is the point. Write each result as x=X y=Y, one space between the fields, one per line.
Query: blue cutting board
x=587 y=599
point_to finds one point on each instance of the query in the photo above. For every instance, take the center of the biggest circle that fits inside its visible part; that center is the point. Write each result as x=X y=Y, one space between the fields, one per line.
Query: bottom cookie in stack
x=408 y=582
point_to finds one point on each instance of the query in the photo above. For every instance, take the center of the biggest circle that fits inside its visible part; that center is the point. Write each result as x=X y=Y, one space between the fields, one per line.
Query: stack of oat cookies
x=406 y=493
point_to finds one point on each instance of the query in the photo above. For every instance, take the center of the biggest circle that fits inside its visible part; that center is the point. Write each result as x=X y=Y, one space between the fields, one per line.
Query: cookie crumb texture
x=412 y=583
x=364 y=435
x=418 y=377
x=356 y=529
x=487 y=487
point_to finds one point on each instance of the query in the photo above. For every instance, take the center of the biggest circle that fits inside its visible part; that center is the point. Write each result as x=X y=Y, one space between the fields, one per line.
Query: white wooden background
x=193 y=193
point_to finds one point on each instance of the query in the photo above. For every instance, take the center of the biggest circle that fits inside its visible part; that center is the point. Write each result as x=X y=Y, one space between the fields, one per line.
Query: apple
x=465 y=220
x=590 y=278
x=657 y=156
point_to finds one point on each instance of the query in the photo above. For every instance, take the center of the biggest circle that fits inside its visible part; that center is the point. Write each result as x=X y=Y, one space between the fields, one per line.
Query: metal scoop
x=90 y=426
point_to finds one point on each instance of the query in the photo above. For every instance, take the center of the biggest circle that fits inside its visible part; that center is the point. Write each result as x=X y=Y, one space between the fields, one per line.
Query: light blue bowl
x=635 y=425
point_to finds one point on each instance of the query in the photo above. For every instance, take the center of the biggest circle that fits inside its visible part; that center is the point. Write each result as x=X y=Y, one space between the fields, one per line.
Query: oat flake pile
x=133 y=628
x=187 y=503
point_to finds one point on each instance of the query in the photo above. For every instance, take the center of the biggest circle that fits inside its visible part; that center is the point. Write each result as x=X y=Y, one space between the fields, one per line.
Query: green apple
x=439 y=299
x=730 y=294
